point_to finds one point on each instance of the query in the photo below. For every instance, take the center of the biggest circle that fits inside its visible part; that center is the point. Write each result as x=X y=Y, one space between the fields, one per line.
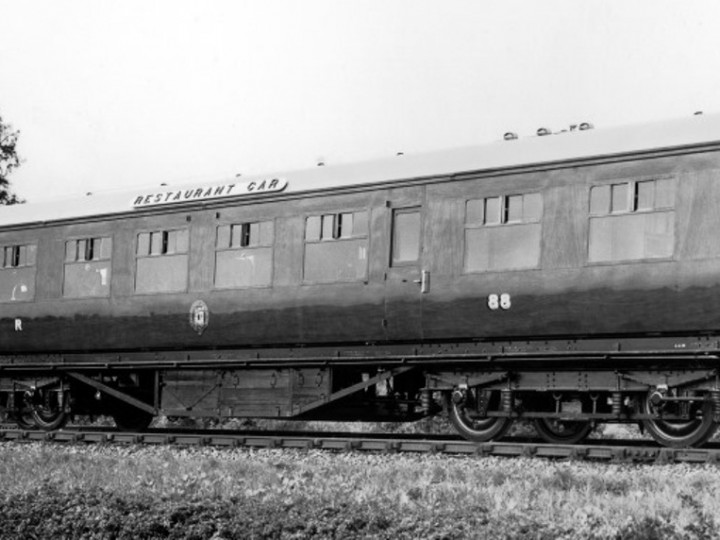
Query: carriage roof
x=571 y=145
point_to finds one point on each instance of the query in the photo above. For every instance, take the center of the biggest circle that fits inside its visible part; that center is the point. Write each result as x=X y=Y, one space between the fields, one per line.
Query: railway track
x=607 y=450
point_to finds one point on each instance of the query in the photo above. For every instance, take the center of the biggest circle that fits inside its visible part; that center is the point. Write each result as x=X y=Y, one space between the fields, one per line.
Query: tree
x=9 y=160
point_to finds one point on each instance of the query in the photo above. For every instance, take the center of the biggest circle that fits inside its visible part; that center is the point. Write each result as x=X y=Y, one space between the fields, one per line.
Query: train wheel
x=473 y=426
x=49 y=419
x=562 y=431
x=131 y=419
x=25 y=420
x=48 y=409
x=681 y=433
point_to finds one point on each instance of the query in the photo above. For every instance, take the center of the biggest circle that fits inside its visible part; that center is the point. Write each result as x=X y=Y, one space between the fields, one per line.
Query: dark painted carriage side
x=567 y=295
x=453 y=311
x=563 y=296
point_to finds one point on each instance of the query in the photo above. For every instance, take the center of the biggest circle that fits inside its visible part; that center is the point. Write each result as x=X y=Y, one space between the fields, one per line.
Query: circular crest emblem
x=199 y=316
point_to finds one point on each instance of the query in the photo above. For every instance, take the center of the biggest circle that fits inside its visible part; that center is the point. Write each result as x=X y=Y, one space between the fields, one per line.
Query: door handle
x=424 y=281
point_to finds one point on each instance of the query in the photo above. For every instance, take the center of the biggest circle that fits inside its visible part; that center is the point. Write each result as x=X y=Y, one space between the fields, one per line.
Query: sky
x=119 y=95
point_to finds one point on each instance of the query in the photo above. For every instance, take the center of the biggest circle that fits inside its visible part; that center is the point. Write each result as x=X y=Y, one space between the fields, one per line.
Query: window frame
x=14 y=247
x=218 y=249
x=86 y=238
x=34 y=242
x=633 y=195
x=504 y=211
x=78 y=262
x=164 y=242
x=138 y=257
x=414 y=209
x=503 y=223
x=335 y=239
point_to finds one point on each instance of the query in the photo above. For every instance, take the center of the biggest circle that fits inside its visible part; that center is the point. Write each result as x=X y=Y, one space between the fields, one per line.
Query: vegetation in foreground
x=159 y=492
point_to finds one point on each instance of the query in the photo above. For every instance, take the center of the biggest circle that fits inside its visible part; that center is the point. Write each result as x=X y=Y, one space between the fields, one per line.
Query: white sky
x=110 y=95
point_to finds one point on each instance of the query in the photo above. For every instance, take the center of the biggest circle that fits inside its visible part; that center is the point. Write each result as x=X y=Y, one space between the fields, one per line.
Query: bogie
x=695 y=427
x=468 y=413
x=49 y=409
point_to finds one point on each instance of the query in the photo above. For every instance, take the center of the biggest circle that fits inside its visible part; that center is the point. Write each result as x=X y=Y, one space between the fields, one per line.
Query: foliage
x=9 y=160
x=158 y=492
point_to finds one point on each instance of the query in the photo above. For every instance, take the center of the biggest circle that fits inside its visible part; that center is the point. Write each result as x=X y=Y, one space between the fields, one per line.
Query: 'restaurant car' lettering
x=266 y=185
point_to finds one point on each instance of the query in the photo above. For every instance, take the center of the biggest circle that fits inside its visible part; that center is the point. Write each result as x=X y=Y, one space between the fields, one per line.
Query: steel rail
x=605 y=451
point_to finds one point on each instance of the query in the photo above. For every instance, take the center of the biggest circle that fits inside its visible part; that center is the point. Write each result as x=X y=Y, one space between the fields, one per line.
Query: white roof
x=535 y=150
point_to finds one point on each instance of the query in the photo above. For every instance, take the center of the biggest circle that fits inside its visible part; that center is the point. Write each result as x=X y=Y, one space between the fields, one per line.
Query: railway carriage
x=569 y=278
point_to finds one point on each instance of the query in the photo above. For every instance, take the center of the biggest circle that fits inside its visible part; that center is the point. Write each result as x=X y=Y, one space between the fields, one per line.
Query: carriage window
x=335 y=226
x=87 y=267
x=243 y=256
x=336 y=247
x=620 y=198
x=17 y=273
x=162 y=243
x=503 y=233
x=492 y=210
x=19 y=256
x=406 y=236
x=632 y=220
x=162 y=261
x=645 y=195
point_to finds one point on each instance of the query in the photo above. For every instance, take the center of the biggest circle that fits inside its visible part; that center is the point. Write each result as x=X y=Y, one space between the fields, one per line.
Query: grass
x=159 y=492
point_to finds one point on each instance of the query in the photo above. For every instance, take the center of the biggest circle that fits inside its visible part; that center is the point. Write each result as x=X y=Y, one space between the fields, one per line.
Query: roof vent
x=510 y=136
x=698 y=113
x=400 y=154
x=585 y=126
x=543 y=131
x=320 y=163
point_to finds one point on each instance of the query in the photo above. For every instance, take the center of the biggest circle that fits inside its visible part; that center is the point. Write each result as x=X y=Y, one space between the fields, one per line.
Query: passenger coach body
x=474 y=274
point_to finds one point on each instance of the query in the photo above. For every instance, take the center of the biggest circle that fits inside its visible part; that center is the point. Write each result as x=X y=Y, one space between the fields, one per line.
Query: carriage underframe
x=673 y=392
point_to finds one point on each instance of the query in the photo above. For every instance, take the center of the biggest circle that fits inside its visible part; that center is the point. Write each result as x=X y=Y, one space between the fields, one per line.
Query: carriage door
x=406 y=280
